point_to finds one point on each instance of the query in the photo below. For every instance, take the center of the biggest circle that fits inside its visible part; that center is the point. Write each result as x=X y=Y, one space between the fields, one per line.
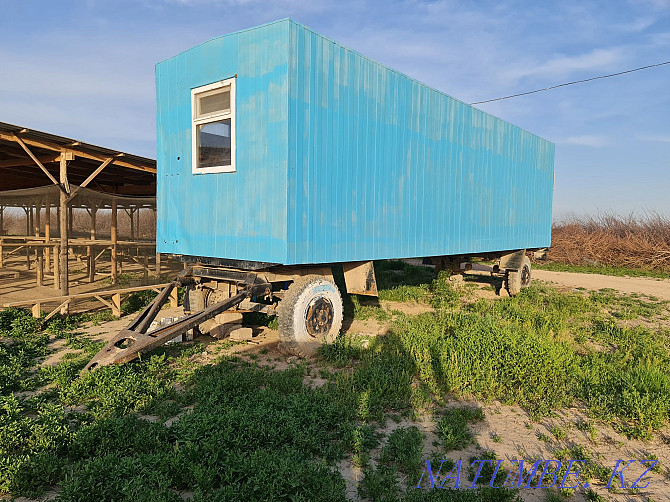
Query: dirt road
x=659 y=288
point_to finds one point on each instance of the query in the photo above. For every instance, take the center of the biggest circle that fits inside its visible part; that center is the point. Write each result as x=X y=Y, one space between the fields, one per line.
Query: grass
x=602 y=269
x=404 y=450
x=246 y=432
x=453 y=427
x=542 y=349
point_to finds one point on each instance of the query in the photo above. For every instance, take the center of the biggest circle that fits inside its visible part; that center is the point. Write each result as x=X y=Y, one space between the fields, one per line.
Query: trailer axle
x=134 y=340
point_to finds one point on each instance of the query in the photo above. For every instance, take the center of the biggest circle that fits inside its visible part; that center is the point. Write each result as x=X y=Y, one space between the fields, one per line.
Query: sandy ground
x=659 y=288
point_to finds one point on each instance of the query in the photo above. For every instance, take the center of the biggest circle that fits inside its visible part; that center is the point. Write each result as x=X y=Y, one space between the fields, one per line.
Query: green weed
x=404 y=450
x=453 y=427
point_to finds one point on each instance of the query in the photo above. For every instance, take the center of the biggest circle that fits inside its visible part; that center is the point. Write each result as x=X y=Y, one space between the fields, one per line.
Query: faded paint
x=339 y=159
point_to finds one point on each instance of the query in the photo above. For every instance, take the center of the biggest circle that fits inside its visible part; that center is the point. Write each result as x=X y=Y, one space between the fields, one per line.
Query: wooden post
x=64 y=247
x=174 y=298
x=47 y=234
x=31 y=220
x=56 y=267
x=114 y=239
x=138 y=233
x=158 y=264
x=37 y=220
x=94 y=211
x=39 y=251
x=116 y=304
x=91 y=264
x=2 y=221
x=25 y=209
x=132 y=224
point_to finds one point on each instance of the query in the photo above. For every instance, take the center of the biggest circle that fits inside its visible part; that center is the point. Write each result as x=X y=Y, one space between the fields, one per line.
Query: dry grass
x=638 y=242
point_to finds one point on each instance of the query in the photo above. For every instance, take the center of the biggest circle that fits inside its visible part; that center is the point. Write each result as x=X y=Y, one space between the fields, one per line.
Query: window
x=213 y=108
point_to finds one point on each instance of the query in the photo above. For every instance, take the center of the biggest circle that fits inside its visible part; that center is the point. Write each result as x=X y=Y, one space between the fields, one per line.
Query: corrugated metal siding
x=382 y=166
x=238 y=215
x=341 y=159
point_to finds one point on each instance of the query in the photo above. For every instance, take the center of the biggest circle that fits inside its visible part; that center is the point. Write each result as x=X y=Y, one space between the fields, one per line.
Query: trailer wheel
x=195 y=300
x=310 y=314
x=515 y=280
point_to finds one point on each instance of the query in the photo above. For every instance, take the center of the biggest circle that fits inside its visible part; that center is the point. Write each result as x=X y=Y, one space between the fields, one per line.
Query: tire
x=516 y=280
x=309 y=315
x=195 y=300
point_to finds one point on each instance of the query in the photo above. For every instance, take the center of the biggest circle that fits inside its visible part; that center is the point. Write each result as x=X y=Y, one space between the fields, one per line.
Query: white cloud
x=562 y=66
x=637 y=25
x=592 y=141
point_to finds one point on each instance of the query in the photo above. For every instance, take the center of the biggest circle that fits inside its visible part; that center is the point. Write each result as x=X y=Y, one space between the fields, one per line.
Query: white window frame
x=212 y=117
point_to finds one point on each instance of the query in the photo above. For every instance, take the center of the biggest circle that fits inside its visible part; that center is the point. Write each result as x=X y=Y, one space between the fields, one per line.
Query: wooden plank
x=104 y=302
x=155 y=287
x=37 y=161
x=101 y=252
x=27 y=162
x=55 y=311
x=145 y=266
x=80 y=153
x=116 y=304
x=90 y=178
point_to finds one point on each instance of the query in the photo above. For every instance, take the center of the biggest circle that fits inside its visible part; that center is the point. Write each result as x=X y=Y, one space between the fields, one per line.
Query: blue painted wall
x=344 y=160
x=238 y=215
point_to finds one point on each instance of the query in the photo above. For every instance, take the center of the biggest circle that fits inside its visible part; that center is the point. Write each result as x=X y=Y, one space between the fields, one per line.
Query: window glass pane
x=214 y=144
x=215 y=103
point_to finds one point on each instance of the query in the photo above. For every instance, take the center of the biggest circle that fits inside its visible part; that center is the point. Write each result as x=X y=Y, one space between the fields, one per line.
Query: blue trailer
x=281 y=153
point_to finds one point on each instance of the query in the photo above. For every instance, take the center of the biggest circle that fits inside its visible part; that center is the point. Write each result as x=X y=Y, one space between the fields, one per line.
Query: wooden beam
x=114 y=238
x=36 y=160
x=47 y=233
x=26 y=162
x=93 y=213
x=90 y=178
x=80 y=153
x=64 y=248
x=39 y=252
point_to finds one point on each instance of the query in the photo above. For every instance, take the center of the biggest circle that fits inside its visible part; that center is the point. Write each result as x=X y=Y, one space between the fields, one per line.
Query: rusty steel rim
x=525 y=276
x=319 y=316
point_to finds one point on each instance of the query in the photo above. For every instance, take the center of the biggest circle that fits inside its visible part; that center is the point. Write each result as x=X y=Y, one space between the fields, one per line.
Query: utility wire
x=571 y=83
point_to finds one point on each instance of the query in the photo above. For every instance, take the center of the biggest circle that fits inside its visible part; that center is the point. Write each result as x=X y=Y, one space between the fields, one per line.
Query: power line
x=571 y=83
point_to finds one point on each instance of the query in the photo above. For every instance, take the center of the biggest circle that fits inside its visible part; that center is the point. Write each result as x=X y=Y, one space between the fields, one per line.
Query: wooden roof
x=125 y=174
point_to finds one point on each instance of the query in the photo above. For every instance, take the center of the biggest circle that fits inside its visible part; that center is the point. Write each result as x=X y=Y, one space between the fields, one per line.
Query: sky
x=85 y=69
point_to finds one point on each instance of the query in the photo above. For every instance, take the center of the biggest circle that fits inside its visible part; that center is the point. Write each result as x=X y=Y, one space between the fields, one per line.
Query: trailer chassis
x=310 y=309
x=135 y=340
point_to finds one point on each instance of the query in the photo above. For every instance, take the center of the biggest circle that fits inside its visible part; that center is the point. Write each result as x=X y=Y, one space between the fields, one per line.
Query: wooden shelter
x=41 y=170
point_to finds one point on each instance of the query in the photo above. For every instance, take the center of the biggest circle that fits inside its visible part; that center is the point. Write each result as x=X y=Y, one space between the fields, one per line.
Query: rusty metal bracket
x=134 y=340
x=360 y=278
x=512 y=261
